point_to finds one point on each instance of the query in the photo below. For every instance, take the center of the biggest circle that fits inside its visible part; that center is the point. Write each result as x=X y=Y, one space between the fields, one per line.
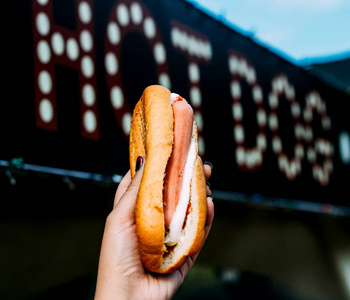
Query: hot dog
x=171 y=208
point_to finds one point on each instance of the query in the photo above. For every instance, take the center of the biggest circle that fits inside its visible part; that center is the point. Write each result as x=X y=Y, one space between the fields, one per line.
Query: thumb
x=127 y=203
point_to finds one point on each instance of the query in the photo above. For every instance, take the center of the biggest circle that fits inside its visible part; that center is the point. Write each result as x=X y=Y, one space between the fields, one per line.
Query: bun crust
x=151 y=136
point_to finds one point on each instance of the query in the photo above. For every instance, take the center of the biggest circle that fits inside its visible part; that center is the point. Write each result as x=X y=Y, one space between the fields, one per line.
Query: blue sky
x=299 y=28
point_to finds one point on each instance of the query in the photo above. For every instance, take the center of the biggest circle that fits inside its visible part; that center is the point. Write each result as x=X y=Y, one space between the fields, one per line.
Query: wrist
x=106 y=290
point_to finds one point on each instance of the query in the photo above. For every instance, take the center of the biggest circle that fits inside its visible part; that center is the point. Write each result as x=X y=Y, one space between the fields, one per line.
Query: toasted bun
x=151 y=136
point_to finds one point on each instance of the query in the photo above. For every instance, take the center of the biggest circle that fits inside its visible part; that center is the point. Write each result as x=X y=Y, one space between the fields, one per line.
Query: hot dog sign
x=261 y=111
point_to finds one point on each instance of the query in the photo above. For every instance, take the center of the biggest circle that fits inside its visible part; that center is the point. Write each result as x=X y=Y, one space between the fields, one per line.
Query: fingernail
x=139 y=163
x=210 y=196
x=209 y=163
x=208 y=183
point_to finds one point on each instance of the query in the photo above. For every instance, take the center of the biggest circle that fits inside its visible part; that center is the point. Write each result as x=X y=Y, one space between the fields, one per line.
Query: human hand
x=121 y=274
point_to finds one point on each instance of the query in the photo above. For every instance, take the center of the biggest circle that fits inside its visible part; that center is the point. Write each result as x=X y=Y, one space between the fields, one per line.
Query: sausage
x=183 y=120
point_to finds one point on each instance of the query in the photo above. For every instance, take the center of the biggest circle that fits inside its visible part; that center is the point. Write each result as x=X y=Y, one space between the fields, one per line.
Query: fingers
x=210 y=216
x=127 y=200
x=124 y=184
x=122 y=187
x=208 y=190
x=208 y=167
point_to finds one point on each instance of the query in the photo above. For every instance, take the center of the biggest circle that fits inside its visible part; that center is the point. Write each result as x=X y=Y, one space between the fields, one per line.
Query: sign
x=73 y=71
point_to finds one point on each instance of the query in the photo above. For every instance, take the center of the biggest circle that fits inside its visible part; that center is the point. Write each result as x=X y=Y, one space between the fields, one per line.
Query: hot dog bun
x=151 y=136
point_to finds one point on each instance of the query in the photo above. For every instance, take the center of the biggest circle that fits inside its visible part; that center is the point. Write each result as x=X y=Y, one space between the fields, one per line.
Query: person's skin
x=121 y=274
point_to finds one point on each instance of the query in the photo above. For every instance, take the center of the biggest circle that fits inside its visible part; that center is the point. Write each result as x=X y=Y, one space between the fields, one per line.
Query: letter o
x=126 y=16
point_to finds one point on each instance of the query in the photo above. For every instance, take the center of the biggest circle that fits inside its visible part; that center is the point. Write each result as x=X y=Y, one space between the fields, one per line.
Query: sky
x=300 y=29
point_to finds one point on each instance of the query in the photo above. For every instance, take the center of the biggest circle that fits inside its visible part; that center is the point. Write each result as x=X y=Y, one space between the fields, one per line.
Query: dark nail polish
x=209 y=163
x=210 y=196
x=139 y=163
x=208 y=183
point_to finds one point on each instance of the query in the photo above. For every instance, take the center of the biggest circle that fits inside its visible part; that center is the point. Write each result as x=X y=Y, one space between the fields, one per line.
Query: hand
x=121 y=274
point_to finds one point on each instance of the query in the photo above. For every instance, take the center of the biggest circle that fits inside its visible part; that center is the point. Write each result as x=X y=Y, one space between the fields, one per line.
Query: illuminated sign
x=269 y=127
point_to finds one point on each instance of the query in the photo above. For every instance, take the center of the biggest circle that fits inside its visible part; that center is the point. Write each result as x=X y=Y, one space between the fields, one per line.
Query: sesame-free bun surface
x=151 y=136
